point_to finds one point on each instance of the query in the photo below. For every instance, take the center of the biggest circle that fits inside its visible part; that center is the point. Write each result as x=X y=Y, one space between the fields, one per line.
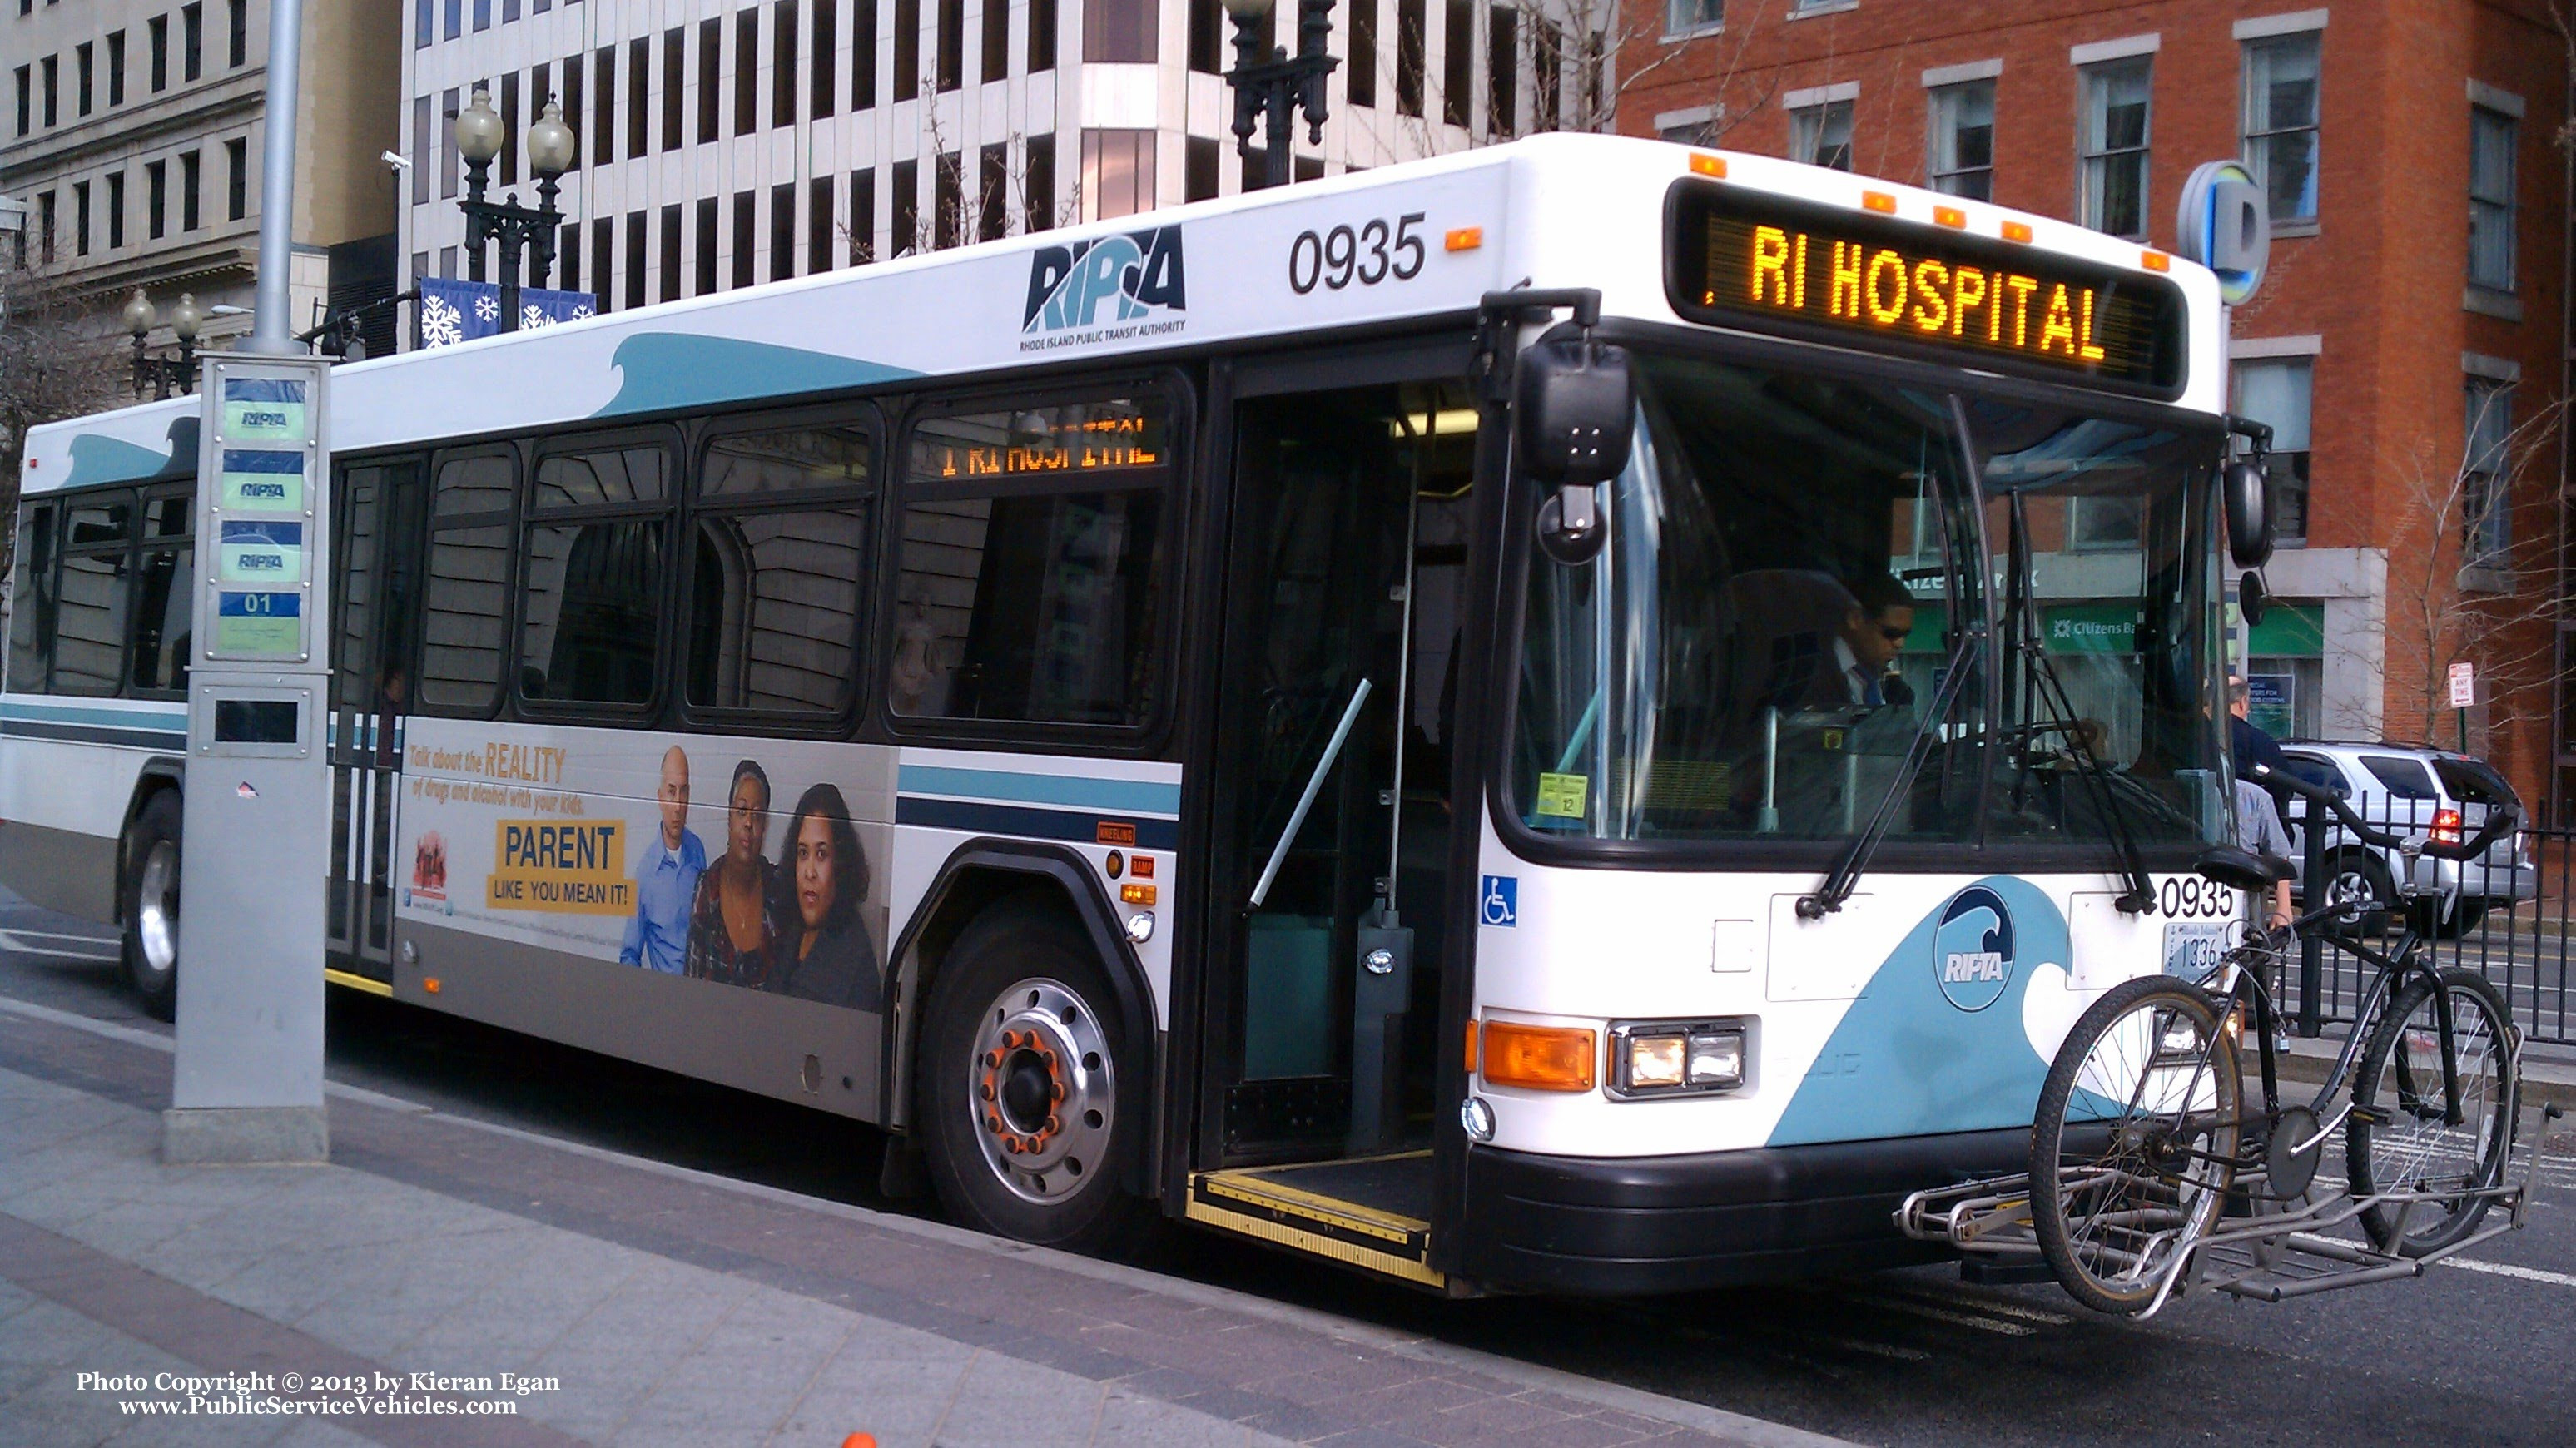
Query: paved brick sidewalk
x=651 y=1305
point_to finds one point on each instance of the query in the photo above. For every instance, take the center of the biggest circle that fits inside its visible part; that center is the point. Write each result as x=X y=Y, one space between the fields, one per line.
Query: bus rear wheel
x=1025 y=1087
x=152 y=905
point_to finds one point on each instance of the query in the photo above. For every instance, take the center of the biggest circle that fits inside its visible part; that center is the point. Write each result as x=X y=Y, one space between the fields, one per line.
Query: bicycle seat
x=2240 y=869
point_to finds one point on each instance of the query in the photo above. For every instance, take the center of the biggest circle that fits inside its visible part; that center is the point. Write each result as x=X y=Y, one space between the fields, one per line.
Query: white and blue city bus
x=1579 y=716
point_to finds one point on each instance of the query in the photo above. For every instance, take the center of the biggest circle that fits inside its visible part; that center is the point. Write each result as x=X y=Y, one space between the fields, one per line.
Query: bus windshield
x=1805 y=575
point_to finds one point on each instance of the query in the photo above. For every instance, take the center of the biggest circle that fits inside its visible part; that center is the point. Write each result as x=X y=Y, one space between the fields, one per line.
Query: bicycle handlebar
x=2502 y=819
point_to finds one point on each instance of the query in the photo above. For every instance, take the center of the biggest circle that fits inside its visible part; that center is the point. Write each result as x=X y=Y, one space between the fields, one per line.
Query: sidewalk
x=635 y=1303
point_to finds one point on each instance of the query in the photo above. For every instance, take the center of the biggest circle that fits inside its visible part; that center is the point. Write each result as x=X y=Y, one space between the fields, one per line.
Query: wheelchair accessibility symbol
x=1499 y=900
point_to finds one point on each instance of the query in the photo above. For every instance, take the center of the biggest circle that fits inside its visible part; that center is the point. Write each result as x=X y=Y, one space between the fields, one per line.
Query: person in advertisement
x=735 y=923
x=666 y=879
x=828 y=954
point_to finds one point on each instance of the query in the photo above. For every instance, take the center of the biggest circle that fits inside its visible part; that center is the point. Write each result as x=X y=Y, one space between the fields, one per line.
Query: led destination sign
x=1078 y=438
x=1740 y=258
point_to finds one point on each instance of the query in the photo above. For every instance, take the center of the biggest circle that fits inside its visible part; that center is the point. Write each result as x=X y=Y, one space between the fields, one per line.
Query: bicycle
x=2143 y=1139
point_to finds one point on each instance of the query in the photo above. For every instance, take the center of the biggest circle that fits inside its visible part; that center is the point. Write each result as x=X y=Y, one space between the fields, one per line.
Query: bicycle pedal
x=2372 y=1116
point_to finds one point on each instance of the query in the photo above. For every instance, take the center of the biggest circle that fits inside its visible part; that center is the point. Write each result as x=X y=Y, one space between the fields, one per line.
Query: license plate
x=2193 y=947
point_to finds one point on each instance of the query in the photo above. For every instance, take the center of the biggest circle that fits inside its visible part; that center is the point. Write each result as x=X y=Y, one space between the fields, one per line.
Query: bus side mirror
x=1578 y=409
x=2246 y=492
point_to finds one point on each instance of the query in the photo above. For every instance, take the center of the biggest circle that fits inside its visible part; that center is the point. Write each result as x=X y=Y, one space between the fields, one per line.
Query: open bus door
x=376 y=550
x=1331 y=828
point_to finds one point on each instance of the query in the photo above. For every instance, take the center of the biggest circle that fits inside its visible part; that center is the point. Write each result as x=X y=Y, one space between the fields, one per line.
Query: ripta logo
x=1111 y=279
x=1972 y=949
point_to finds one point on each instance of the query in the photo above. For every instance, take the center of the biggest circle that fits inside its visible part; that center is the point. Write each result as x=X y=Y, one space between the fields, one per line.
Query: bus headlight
x=1669 y=1058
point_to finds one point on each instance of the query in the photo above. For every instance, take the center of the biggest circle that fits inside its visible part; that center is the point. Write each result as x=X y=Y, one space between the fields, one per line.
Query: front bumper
x=1633 y=1225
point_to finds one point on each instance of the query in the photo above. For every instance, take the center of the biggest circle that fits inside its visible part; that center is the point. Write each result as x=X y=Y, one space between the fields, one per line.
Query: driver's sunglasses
x=1896 y=635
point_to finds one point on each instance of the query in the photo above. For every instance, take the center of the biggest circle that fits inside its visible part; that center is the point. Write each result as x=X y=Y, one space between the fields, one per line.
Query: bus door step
x=1275 y=1206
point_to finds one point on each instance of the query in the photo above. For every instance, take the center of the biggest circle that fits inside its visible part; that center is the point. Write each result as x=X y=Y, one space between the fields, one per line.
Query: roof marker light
x=2155 y=261
x=2016 y=231
x=1883 y=202
x=1949 y=216
x=1703 y=164
x=1463 y=238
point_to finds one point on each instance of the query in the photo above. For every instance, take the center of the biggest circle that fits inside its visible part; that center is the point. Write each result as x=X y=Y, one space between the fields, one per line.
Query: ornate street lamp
x=552 y=149
x=1277 y=85
x=164 y=375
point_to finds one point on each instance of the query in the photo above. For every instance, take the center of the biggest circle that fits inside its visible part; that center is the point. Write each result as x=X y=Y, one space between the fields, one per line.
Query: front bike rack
x=2284 y=1252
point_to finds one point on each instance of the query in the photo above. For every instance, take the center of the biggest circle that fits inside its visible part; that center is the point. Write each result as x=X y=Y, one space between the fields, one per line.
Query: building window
x=639 y=98
x=236 y=33
x=156 y=199
x=863 y=56
x=1038 y=184
x=638 y=280
x=455 y=19
x=80 y=218
x=997 y=40
x=1410 y=65
x=116 y=69
x=1117 y=172
x=863 y=217
x=782 y=63
x=708 y=245
x=746 y=237
x=670 y=240
x=2281 y=123
x=1686 y=17
x=45 y=228
x=819 y=252
x=746 y=71
x=1207 y=37
x=903 y=236
x=53 y=66
x=826 y=63
x=1547 y=76
x=603 y=83
x=192 y=41
x=952 y=44
x=948 y=201
x=993 y=193
x=26 y=78
x=1502 y=68
x=236 y=179
x=1359 y=73
x=1821 y=134
x=1115 y=30
x=710 y=81
x=424 y=146
x=190 y=187
x=482 y=15
x=907 y=49
x=1200 y=159
x=2491 y=142
x=2276 y=391
x=782 y=231
x=1458 y=75
x=158 y=28
x=1041 y=35
x=675 y=83
x=2486 y=473
x=2115 y=147
x=83 y=65
x=1962 y=162
x=115 y=210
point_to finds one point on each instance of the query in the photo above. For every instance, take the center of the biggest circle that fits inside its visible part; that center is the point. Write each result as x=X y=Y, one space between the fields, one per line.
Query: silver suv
x=2427 y=791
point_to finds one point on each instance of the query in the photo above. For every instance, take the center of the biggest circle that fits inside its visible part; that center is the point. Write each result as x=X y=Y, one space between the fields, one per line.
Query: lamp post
x=1277 y=85
x=164 y=375
x=552 y=148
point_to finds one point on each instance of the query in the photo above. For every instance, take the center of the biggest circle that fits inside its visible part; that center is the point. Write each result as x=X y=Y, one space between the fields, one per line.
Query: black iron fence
x=2510 y=914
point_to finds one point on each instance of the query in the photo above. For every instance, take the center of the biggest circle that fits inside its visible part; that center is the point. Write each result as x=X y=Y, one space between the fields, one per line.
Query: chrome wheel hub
x=156 y=913
x=1041 y=1089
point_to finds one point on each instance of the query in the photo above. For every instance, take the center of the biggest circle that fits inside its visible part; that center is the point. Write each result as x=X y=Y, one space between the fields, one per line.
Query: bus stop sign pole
x=247 y=1083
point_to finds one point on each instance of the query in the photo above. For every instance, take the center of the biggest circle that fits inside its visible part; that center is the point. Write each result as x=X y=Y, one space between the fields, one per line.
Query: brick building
x=2409 y=346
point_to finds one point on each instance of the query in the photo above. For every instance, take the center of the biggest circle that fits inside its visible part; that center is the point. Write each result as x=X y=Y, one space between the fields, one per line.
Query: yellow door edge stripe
x=1297 y=1201
x=1317 y=1244
x=357 y=982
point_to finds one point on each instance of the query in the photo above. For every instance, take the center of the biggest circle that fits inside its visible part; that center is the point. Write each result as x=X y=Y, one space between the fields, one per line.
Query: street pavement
x=580 y=1160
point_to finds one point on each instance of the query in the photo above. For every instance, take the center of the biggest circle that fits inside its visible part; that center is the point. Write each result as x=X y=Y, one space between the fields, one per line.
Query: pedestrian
x=2259 y=832
x=2245 y=738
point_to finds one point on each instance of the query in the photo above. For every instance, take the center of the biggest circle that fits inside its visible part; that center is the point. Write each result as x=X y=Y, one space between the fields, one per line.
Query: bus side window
x=165 y=596
x=92 y=606
x=1032 y=565
x=466 y=603
x=591 y=586
x=778 y=566
x=32 y=601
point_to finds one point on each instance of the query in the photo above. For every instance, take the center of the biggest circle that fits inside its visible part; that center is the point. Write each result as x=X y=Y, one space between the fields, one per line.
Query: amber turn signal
x=1538 y=1058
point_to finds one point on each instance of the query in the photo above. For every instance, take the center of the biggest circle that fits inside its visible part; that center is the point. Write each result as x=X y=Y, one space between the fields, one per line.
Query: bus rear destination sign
x=1740 y=258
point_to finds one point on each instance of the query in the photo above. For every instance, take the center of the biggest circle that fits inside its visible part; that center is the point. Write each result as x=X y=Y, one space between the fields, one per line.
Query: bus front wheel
x=152 y=905
x=1019 y=1088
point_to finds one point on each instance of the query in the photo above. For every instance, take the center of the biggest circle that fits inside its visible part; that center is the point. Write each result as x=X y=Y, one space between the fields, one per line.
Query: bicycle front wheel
x=2134 y=1145
x=2422 y=1146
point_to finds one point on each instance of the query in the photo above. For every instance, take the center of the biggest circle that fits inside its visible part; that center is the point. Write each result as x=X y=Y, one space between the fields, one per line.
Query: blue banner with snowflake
x=453 y=311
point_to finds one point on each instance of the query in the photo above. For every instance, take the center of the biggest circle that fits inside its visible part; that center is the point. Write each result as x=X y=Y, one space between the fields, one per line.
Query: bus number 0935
x=2189 y=896
x=1368 y=254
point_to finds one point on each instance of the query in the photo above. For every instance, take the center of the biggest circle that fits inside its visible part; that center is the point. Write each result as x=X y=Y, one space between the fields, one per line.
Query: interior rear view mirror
x=1578 y=407
x=2246 y=493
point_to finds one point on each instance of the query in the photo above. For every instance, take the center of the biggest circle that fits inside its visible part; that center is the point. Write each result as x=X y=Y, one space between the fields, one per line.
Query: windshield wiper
x=1845 y=875
x=2043 y=689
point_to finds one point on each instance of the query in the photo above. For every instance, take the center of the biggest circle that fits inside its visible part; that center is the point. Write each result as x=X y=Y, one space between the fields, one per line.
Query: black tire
x=1022 y=1010
x=151 y=905
x=2117 y=1179
x=2360 y=874
x=2401 y=1074
x=2465 y=918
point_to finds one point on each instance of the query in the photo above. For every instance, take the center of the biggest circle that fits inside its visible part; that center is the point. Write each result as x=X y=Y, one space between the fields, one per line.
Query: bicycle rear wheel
x=2420 y=1148
x=2134 y=1144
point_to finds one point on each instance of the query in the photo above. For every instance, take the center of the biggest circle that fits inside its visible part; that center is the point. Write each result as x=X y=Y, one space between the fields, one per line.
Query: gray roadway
x=2483 y=1354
